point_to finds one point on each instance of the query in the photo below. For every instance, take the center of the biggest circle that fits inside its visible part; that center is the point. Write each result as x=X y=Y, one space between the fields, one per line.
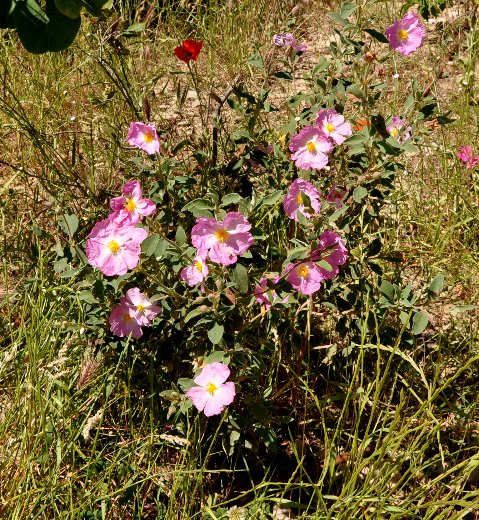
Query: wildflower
x=196 y=272
x=213 y=393
x=332 y=249
x=406 y=35
x=122 y=324
x=222 y=241
x=144 y=136
x=114 y=248
x=397 y=128
x=141 y=309
x=310 y=147
x=188 y=50
x=287 y=40
x=336 y=195
x=294 y=201
x=131 y=206
x=333 y=125
x=305 y=277
x=466 y=155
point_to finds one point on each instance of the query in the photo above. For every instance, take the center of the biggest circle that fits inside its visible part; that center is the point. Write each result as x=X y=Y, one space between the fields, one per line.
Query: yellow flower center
x=148 y=137
x=394 y=132
x=198 y=265
x=211 y=388
x=329 y=127
x=402 y=34
x=127 y=317
x=299 y=199
x=140 y=308
x=303 y=271
x=221 y=235
x=310 y=146
x=130 y=205
x=114 y=246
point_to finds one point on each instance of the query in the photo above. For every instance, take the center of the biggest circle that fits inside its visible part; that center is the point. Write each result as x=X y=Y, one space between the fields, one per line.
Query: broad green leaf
x=379 y=36
x=46 y=30
x=419 y=322
x=231 y=198
x=359 y=193
x=70 y=8
x=69 y=224
x=387 y=288
x=437 y=284
x=150 y=244
x=215 y=334
x=240 y=278
x=180 y=236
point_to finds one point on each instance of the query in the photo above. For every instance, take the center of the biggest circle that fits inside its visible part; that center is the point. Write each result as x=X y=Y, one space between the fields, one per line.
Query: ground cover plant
x=240 y=264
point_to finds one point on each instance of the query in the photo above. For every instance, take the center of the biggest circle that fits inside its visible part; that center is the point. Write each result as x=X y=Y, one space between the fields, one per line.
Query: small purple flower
x=406 y=35
x=332 y=249
x=131 y=206
x=333 y=125
x=213 y=393
x=122 y=324
x=305 y=277
x=310 y=148
x=113 y=247
x=144 y=136
x=293 y=201
x=223 y=241
x=399 y=130
x=467 y=156
x=285 y=40
x=196 y=272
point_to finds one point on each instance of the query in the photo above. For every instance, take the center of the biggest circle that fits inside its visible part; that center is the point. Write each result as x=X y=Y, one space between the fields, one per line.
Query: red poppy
x=188 y=50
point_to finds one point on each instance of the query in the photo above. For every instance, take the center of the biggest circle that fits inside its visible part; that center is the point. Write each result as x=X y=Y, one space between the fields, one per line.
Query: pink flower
x=122 y=324
x=310 y=147
x=144 y=136
x=336 y=195
x=212 y=394
x=140 y=307
x=406 y=35
x=222 y=241
x=114 y=248
x=293 y=201
x=132 y=206
x=397 y=128
x=466 y=155
x=332 y=249
x=196 y=272
x=284 y=40
x=264 y=296
x=333 y=125
x=305 y=277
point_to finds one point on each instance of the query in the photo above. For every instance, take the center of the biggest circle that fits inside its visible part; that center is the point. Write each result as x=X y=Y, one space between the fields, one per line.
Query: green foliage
x=49 y=28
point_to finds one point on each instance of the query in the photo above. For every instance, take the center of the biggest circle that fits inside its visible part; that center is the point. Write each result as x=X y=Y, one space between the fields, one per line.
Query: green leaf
x=44 y=31
x=239 y=276
x=86 y=296
x=379 y=36
x=347 y=8
x=437 y=284
x=180 y=236
x=271 y=199
x=256 y=61
x=70 y=8
x=69 y=224
x=359 y=193
x=215 y=334
x=231 y=198
x=388 y=290
x=336 y=17
x=325 y=265
x=198 y=205
x=268 y=436
x=150 y=244
x=419 y=322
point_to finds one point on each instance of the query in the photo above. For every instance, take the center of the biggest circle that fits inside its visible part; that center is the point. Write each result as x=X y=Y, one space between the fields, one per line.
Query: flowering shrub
x=259 y=248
